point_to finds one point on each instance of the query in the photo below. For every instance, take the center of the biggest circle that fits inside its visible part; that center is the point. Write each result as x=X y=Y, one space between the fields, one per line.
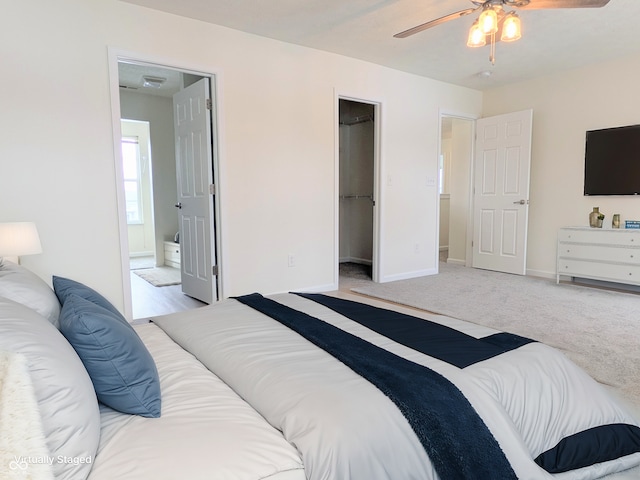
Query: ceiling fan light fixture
x=511 y=28
x=477 y=38
x=494 y=20
x=488 y=21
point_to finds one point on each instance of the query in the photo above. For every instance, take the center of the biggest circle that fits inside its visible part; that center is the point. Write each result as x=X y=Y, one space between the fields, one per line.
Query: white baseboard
x=456 y=261
x=541 y=274
x=316 y=289
x=141 y=254
x=361 y=261
x=408 y=275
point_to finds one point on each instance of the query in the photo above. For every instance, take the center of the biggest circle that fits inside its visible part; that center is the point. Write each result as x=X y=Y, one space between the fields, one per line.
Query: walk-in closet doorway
x=357 y=173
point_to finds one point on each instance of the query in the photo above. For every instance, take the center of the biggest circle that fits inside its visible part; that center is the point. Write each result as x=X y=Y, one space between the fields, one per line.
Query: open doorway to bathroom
x=150 y=187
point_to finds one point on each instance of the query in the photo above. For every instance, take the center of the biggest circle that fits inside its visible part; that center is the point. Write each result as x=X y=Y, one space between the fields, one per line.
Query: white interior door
x=501 y=192
x=194 y=164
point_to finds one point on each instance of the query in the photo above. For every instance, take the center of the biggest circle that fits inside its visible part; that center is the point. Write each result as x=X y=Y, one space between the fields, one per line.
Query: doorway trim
x=376 y=260
x=469 y=230
x=115 y=56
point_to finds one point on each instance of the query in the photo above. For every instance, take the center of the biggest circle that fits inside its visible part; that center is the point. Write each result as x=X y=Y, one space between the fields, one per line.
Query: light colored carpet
x=160 y=276
x=355 y=270
x=598 y=329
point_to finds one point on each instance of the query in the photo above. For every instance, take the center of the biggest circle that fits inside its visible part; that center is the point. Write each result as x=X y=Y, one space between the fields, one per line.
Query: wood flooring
x=149 y=301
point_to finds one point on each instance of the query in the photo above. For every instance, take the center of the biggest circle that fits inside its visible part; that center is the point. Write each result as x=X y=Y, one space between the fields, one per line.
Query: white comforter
x=345 y=428
x=205 y=432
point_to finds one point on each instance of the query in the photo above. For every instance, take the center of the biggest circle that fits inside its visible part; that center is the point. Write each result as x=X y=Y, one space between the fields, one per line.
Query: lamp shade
x=19 y=238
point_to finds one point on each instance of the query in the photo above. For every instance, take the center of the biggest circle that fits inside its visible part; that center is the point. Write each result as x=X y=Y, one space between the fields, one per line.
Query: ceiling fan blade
x=546 y=4
x=435 y=22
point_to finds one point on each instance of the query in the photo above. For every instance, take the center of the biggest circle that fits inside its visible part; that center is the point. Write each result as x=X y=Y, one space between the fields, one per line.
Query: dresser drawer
x=600 y=236
x=629 y=274
x=172 y=254
x=599 y=253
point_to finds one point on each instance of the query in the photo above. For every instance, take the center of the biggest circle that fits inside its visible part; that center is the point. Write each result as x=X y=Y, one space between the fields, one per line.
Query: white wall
x=277 y=185
x=564 y=107
x=459 y=188
x=445 y=197
x=445 y=209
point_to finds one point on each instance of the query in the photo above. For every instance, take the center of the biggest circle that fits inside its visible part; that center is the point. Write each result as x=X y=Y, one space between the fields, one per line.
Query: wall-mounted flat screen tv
x=612 y=161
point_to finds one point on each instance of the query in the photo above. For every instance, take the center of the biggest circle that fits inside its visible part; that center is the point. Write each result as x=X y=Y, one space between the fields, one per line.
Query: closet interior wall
x=356 y=182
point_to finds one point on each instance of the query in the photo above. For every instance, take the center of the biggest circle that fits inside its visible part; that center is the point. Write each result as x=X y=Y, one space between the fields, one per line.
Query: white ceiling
x=131 y=76
x=552 y=40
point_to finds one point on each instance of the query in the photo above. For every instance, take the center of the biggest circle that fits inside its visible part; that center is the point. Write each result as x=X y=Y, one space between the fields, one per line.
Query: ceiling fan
x=494 y=19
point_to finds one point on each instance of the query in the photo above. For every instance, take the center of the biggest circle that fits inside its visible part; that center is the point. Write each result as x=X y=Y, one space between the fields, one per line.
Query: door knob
x=520 y=202
x=178 y=205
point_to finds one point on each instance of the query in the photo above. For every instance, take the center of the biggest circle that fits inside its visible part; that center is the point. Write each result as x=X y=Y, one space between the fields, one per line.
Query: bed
x=266 y=387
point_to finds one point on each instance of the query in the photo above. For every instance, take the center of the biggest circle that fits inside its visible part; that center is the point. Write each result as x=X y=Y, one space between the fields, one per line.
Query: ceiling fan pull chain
x=492 y=55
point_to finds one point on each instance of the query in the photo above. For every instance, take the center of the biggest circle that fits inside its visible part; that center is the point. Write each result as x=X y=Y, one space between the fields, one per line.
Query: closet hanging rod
x=355 y=120
x=370 y=197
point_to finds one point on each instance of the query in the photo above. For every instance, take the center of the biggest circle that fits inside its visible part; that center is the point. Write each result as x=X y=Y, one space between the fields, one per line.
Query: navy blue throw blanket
x=452 y=433
x=433 y=339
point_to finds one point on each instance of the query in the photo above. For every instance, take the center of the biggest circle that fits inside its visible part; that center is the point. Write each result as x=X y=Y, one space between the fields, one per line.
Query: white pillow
x=25 y=287
x=66 y=398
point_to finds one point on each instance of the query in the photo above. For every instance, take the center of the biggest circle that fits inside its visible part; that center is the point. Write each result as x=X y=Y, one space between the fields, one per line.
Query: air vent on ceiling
x=153 y=82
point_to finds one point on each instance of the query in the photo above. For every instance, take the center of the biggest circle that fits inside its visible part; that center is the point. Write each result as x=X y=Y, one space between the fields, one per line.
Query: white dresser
x=172 y=254
x=610 y=255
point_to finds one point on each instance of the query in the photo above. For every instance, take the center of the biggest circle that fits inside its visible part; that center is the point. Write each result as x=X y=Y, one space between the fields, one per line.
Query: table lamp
x=18 y=238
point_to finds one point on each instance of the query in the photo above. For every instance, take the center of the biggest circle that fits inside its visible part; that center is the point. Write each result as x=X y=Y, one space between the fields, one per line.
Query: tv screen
x=612 y=161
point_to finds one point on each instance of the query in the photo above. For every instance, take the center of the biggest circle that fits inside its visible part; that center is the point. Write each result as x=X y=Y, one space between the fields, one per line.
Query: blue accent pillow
x=65 y=287
x=121 y=368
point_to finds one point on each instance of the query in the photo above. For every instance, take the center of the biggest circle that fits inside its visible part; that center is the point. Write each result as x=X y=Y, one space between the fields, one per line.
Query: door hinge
x=214 y=270
x=209 y=104
x=212 y=189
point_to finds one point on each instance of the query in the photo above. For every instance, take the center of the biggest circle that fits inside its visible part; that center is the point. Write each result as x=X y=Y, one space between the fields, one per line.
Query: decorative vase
x=594 y=217
x=615 y=223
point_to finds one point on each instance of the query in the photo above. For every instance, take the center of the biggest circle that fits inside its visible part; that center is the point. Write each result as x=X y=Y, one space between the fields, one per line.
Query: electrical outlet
x=291 y=260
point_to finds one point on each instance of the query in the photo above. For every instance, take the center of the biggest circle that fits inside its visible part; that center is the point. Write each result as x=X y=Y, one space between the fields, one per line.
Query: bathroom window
x=132 y=184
